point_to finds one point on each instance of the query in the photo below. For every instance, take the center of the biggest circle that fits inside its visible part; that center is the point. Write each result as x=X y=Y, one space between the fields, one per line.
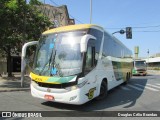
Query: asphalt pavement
x=8 y=84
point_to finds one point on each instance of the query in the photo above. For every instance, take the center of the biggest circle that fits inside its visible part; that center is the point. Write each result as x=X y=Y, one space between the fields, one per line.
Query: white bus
x=77 y=63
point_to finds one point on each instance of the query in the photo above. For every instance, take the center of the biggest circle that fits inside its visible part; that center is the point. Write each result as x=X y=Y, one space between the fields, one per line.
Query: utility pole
x=23 y=42
x=24 y=22
x=90 y=11
x=148 y=59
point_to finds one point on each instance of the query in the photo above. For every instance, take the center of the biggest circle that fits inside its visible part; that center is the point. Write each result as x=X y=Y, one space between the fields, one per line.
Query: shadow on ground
x=116 y=97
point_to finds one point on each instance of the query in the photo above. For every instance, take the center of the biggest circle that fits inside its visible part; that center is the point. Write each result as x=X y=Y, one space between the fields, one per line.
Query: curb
x=15 y=89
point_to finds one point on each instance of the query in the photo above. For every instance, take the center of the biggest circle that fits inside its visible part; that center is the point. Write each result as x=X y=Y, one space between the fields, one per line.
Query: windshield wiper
x=48 y=62
x=52 y=64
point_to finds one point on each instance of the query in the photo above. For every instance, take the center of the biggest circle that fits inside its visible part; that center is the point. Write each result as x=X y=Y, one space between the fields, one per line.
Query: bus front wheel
x=103 y=90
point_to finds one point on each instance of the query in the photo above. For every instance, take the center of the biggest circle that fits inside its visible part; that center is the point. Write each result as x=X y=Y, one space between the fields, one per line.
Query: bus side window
x=90 y=59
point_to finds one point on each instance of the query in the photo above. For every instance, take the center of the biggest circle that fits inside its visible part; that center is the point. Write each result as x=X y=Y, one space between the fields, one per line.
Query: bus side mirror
x=84 y=42
x=29 y=58
x=23 y=58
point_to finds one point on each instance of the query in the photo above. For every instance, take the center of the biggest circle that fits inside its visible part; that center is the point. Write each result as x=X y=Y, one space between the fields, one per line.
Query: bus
x=77 y=63
x=139 y=67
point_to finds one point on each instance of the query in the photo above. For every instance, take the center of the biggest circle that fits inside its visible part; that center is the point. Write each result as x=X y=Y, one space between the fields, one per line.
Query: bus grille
x=48 y=85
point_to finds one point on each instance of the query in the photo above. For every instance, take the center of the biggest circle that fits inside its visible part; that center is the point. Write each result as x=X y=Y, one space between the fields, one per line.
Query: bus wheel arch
x=103 y=89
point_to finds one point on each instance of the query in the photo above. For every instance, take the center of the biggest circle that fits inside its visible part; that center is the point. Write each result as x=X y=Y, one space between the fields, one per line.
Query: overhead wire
x=147 y=26
x=148 y=31
x=134 y=27
x=139 y=27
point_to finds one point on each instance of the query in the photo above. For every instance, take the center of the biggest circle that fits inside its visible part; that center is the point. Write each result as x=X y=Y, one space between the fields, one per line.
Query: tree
x=35 y=2
x=19 y=22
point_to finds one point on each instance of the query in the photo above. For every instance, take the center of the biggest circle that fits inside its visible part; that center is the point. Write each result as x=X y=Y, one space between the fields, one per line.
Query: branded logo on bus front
x=48 y=90
x=38 y=79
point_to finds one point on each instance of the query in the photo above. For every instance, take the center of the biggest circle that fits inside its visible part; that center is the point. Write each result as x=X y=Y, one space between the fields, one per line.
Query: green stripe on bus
x=60 y=79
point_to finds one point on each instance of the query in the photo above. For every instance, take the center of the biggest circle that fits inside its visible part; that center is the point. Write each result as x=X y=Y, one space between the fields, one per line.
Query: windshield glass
x=59 y=54
x=140 y=63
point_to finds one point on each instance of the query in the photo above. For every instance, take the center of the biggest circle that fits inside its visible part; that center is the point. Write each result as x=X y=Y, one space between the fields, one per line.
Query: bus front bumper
x=139 y=73
x=76 y=96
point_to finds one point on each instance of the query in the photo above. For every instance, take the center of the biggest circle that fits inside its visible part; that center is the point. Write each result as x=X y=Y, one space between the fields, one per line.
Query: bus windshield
x=59 y=54
x=140 y=63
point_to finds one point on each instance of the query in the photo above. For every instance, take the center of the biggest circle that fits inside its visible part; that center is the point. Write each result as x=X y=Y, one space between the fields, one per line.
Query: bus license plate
x=49 y=97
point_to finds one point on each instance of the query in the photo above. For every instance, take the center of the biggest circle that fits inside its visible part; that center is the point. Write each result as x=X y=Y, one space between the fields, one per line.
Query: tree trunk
x=9 y=63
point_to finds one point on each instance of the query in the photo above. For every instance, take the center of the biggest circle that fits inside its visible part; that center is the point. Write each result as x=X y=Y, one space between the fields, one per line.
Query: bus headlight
x=71 y=88
x=79 y=85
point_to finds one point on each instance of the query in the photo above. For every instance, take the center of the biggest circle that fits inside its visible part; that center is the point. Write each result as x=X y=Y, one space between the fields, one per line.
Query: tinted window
x=90 y=57
x=111 y=47
x=98 y=34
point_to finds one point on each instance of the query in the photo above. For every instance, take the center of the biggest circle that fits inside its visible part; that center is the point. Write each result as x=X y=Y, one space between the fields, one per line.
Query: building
x=153 y=63
x=59 y=16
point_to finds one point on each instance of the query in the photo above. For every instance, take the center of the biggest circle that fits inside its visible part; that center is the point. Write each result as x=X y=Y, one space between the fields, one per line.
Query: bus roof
x=139 y=60
x=71 y=27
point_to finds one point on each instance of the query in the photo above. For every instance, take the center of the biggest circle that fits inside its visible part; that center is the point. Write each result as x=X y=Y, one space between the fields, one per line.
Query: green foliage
x=35 y=2
x=12 y=4
x=19 y=23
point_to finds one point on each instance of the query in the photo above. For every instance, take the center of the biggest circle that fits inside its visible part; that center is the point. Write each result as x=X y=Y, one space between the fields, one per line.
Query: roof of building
x=151 y=60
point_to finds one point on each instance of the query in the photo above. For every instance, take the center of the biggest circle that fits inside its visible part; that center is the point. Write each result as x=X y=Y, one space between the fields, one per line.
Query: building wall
x=57 y=15
x=153 y=63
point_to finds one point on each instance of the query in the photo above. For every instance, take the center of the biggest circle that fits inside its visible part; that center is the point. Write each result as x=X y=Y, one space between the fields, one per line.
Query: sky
x=142 y=15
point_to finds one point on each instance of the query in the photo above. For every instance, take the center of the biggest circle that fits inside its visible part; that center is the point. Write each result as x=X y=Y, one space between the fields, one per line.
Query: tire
x=103 y=91
x=127 y=79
